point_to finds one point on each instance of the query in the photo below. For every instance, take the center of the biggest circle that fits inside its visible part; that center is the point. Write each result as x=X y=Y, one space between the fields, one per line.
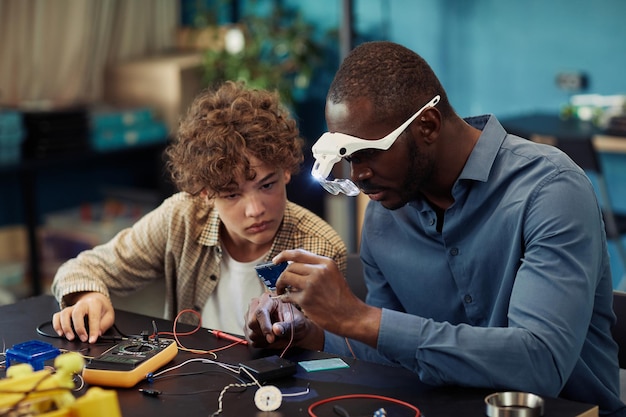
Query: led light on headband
x=330 y=148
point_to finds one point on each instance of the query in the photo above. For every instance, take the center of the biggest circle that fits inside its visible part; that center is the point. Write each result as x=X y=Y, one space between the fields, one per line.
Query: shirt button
x=213 y=278
x=431 y=222
x=467 y=298
x=454 y=251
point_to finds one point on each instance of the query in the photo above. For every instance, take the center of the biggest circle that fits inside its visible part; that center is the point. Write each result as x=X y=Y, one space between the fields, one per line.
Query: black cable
x=112 y=338
x=339 y=410
x=192 y=373
x=154 y=392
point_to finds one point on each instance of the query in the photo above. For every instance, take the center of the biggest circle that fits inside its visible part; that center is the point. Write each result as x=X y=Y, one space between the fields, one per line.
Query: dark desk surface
x=550 y=124
x=572 y=136
x=579 y=139
x=18 y=323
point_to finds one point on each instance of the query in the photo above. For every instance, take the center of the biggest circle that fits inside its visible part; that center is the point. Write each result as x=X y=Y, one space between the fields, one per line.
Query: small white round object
x=234 y=41
x=268 y=398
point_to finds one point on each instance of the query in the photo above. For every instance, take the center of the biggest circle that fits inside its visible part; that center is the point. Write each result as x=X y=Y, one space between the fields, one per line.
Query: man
x=234 y=155
x=484 y=254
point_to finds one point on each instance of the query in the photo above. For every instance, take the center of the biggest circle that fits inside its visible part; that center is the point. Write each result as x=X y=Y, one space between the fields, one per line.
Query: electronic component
x=268 y=398
x=269 y=273
x=271 y=367
x=130 y=361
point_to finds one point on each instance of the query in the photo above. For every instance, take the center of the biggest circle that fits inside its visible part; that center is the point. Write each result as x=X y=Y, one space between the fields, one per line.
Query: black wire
x=202 y=391
x=113 y=338
x=151 y=392
x=339 y=410
x=192 y=373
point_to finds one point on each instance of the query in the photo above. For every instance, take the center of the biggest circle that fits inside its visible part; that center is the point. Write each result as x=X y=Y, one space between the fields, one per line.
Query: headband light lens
x=337 y=186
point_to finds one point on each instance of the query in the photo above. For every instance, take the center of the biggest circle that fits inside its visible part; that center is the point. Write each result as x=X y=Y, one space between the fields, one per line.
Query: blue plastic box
x=33 y=352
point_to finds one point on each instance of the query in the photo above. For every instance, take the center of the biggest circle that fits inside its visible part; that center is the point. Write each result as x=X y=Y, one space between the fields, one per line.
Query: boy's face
x=253 y=211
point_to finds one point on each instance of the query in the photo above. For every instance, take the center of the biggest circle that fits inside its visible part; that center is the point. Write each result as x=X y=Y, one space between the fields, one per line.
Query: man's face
x=392 y=177
x=253 y=210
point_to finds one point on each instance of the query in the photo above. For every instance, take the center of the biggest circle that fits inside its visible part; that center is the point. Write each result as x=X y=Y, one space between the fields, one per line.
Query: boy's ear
x=287 y=177
x=205 y=194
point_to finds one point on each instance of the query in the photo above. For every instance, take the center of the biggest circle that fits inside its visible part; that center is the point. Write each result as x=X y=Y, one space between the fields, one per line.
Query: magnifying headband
x=330 y=148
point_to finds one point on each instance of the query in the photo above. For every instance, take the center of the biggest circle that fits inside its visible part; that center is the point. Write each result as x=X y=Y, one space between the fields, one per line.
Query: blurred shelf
x=29 y=170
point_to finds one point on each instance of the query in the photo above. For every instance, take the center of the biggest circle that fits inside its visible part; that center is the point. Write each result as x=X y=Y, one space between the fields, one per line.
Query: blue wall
x=498 y=56
x=493 y=56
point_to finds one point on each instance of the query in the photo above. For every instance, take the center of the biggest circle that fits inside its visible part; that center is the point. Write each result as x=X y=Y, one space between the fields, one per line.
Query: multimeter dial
x=140 y=348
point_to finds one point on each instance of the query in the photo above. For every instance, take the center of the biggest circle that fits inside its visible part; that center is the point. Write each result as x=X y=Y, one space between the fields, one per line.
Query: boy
x=233 y=156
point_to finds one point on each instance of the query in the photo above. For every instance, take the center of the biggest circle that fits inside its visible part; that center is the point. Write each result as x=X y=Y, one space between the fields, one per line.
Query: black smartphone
x=269 y=273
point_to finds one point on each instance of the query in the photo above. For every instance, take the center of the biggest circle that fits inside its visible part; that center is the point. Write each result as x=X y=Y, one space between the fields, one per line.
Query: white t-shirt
x=226 y=307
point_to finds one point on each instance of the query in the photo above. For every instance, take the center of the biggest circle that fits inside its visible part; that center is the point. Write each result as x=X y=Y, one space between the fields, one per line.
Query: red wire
x=292 y=332
x=175 y=334
x=369 y=396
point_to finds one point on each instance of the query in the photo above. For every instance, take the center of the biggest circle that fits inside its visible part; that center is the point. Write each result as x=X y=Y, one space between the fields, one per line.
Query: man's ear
x=430 y=124
x=286 y=177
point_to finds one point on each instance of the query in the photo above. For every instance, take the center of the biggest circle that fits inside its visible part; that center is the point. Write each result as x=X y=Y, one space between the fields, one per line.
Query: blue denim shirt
x=514 y=293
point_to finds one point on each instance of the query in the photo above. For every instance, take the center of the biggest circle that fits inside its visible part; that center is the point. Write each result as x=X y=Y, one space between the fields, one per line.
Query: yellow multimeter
x=129 y=362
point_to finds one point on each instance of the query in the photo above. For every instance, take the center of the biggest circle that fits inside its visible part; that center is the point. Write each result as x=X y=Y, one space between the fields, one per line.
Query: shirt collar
x=210 y=232
x=484 y=154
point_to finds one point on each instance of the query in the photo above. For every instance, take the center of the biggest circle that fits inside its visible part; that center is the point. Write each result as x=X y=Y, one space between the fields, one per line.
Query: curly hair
x=397 y=80
x=222 y=129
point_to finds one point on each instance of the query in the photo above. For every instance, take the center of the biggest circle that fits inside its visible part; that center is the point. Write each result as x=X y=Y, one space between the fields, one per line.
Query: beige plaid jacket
x=179 y=241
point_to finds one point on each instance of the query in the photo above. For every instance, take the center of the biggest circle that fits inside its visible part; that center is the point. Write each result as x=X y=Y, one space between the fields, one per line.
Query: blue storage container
x=11 y=136
x=147 y=133
x=122 y=128
x=109 y=118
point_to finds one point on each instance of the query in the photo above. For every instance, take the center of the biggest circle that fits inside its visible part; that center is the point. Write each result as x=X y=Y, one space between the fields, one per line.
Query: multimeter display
x=129 y=362
x=117 y=362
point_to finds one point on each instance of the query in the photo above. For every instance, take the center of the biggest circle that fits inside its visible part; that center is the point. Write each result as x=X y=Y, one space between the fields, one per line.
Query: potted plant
x=276 y=51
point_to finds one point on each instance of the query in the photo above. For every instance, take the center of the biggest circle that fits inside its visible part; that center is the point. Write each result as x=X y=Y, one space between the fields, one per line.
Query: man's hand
x=94 y=306
x=324 y=300
x=270 y=323
x=314 y=283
